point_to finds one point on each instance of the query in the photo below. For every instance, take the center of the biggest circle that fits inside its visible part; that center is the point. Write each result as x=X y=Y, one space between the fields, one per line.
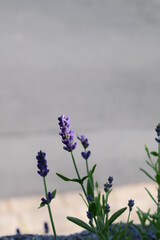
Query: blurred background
x=97 y=62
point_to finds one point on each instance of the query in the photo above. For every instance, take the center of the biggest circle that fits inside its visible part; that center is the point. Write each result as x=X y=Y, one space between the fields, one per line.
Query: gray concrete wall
x=96 y=61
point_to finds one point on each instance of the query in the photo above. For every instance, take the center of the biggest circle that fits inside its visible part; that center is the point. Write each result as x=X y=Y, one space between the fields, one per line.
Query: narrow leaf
x=146 y=148
x=151 y=196
x=116 y=215
x=81 y=224
x=151 y=165
x=42 y=204
x=155 y=154
x=90 y=190
x=93 y=169
x=54 y=194
x=63 y=177
x=148 y=175
x=83 y=199
x=84 y=178
x=68 y=179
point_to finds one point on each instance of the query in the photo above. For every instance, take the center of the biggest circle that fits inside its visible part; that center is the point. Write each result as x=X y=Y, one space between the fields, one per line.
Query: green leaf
x=84 y=178
x=158 y=178
x=68 y=179
x=155 y=154
x=81 y=224
x=93 y=169
x=83 y=199
x=53 y=194
x=148 y=175
x=116 y=215
x=42 y=204
x=93 y=208
x=90 y=190
x=146 y=148
x=151 y=165
x=151 y=196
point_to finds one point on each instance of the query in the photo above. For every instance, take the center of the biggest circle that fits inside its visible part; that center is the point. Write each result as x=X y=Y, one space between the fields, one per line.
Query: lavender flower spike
x=42 y=164
x=66 y=134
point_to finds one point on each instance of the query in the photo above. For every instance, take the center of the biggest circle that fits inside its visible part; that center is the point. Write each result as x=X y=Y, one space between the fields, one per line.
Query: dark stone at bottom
x=84 y=235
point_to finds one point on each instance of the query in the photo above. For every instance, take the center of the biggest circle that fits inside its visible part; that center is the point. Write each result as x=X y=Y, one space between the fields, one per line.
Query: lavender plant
x=98 y=208
x=43 y=171
x=154 y=164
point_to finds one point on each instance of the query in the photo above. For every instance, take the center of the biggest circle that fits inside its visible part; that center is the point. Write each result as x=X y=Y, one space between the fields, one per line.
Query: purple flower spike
x=42 y=164
x=83 y=140
x=66 y=134
x=130 y=204
x=86 y=155
x=158 y=129
x=46 y=228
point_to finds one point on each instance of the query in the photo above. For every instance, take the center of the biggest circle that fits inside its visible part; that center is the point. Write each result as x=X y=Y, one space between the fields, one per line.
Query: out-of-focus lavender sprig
x=43 y=171
x=66 y=134
x=42 y=164
x=46 y=228
x=108 y=185
x=130 y=204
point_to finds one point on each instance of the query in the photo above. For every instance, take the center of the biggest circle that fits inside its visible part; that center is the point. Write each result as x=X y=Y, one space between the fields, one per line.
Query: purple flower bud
x=83 y=140
x=107 y=208
x=86 y=155
x=44 y=200
x=107 y=186
x=50 y=196
x=158 y=129
x=89 y=198
x=130 y=204
x=89 y=215
x=110 y=179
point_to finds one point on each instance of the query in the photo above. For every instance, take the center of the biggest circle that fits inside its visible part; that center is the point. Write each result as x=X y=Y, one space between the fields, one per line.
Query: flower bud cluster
x=66 y=134
x=108 y=185
x=85 y=144
x=42 y=164
x=49 y=198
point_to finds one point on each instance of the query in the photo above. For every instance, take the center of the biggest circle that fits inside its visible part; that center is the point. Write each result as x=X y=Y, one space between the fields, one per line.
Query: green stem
x=78 y=175
x=49 y=210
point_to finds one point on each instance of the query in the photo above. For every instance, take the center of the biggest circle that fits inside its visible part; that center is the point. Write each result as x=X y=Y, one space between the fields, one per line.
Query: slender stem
x=78 y=175
x=49 y=210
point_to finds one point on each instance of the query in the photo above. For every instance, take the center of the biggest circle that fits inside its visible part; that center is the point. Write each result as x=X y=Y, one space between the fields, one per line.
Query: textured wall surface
x=96 y=61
